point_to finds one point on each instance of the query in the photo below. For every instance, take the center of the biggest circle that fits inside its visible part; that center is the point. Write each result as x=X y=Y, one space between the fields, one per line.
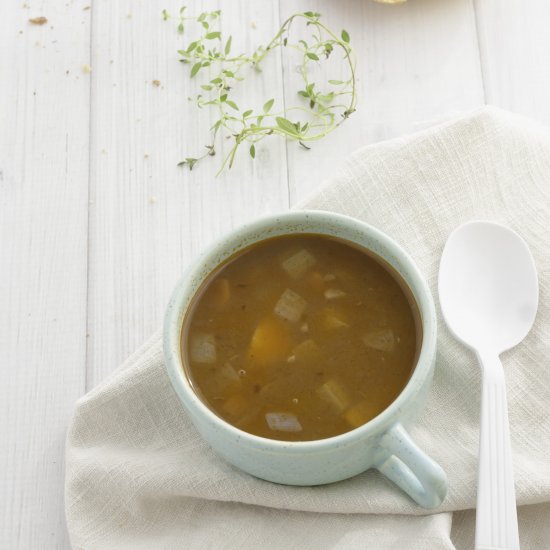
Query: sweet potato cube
x=361 y=413
x=270 y=342
x=235 y=406
x=308 y=350
x=315 y=282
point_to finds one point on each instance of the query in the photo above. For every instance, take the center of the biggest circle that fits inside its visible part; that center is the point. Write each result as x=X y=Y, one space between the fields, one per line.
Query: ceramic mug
x=383 y=442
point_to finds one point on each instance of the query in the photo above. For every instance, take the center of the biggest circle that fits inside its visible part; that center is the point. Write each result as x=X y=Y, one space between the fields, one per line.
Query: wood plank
x=44 y=105
x=148 y=218
x=514 y=45
x=416 y=62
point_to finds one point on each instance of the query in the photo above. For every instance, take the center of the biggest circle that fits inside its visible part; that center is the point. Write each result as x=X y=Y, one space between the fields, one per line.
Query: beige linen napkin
x=140 y=477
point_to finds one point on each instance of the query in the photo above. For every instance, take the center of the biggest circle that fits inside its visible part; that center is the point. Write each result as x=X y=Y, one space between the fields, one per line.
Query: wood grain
x=415 y=62
x=514 y=48
x=44 y=102
x=148 y=218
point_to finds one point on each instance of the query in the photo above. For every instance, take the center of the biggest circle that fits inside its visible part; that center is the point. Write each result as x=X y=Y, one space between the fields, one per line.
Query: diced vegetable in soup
x=283 y=422
x=301 y=337
x=203 y=348
x=290 y=306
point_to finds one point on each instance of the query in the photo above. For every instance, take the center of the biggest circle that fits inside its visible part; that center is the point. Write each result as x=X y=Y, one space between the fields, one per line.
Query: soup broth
x=301 y=337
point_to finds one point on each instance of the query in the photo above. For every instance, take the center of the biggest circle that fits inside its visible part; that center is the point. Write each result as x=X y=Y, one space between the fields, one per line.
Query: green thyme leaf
x=285 y=125
x=227 y=48
x=196 y=68
x=190 y=162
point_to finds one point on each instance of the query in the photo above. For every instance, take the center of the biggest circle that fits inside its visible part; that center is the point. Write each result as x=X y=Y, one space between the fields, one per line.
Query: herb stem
x=321 y=107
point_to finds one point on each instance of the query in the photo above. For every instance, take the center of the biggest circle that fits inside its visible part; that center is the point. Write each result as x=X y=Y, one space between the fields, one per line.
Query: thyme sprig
x=323 y=109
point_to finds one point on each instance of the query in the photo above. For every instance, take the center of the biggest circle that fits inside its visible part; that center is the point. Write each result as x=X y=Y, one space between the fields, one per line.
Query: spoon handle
x=496 y=516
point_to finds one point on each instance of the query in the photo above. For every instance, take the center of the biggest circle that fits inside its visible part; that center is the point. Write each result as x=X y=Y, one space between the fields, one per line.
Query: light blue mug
x=383 y=442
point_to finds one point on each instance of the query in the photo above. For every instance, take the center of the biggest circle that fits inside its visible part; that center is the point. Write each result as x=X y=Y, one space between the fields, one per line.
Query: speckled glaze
x=382 y=443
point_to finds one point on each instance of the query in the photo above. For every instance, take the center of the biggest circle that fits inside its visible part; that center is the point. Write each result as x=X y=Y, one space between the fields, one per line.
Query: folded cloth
x=138 y=475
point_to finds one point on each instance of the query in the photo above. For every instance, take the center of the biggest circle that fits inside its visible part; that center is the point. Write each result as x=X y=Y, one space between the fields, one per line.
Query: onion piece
x=227 y=372
x=332 y=393
x=333 y=293
x=224 y=379
x=381 y=340
x=290 y=306
x=333 y=319
x=203 y=348
x=283 y=422
x=298 y=264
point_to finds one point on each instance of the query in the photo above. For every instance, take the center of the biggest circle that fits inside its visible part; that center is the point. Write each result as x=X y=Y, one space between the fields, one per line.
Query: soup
x=301 y=337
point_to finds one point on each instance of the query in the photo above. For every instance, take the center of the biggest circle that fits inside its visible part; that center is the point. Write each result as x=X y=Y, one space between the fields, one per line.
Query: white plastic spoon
x=488 y=291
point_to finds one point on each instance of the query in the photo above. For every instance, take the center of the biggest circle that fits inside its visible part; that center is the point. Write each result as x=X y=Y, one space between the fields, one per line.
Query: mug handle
x=411 y=469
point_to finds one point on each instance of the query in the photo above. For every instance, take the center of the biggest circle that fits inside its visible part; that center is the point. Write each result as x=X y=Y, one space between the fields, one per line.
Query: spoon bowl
x=488 y=286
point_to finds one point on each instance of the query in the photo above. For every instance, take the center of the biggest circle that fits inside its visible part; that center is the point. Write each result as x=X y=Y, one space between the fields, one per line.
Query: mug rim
x=219 y=249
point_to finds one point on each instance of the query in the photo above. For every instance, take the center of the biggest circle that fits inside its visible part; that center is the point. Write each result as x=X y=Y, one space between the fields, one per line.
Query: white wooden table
x=96 y=220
